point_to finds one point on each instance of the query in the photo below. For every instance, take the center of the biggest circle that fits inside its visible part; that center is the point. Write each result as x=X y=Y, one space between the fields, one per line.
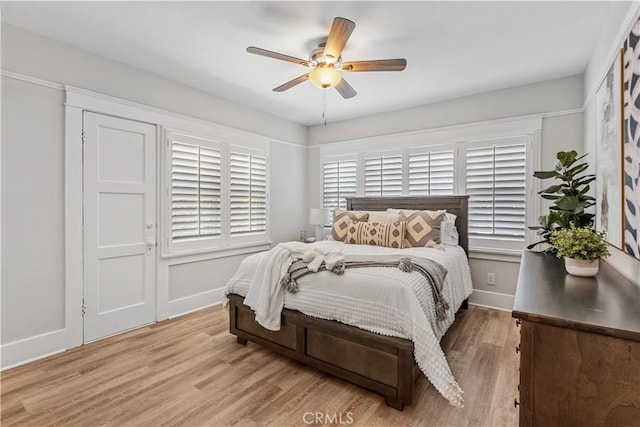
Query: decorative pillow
x=383 y=217
x=341 y=221
x=423 y=228
x=388 y=234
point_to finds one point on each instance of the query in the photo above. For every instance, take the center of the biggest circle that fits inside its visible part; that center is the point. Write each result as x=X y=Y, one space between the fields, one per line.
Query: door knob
x=150 y=245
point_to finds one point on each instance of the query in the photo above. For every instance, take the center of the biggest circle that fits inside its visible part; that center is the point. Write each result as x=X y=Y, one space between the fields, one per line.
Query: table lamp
x=319 y=217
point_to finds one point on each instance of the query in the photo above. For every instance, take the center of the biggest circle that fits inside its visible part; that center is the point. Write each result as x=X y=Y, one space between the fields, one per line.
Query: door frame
x=76 y=102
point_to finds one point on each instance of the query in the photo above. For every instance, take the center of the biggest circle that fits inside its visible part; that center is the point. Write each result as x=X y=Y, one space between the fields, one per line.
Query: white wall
x=553 y=95
x=32 y=210
x=31 y=54
x=33 y=180
x=614 y=32
x=561 y=131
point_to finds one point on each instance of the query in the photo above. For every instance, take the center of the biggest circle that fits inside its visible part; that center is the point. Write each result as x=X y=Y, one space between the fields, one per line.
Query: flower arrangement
x=579 y=243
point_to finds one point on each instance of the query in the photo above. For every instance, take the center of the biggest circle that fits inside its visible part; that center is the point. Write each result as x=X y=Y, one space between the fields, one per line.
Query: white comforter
x=382 y=300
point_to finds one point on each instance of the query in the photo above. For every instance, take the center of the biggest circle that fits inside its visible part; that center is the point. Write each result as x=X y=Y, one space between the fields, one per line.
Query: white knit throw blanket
x=266 y=293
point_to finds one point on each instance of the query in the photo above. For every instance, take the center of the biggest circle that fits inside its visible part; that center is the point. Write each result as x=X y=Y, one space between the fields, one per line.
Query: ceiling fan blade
x=375 y=65
x=276 y=55
x=292 y=83
x=340 y=31
x=345 y=89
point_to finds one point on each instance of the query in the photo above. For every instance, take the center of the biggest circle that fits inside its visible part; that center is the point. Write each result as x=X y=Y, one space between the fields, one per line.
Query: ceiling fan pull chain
x=324 y=105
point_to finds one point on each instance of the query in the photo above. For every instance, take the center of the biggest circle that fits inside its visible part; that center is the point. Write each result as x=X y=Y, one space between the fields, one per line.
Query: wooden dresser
x=579 y=346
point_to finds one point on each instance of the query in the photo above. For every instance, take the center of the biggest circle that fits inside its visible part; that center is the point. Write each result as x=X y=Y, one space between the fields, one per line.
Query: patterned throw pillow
x=423 y=228
x=388 y=234
x=341 y=221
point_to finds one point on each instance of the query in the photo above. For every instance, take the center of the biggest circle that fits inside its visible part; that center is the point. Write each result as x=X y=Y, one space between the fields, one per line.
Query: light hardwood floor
x=190 y=371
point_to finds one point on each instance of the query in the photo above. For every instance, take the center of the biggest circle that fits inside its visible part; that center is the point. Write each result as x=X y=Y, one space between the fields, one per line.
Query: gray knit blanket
x=433 y=273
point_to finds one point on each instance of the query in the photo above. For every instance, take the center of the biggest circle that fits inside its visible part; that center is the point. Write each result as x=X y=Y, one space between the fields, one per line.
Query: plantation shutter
x=247 y=193
x=383 y=176
x=431 y=173
x=339 y=181
x=495 y=182
x=195 y=191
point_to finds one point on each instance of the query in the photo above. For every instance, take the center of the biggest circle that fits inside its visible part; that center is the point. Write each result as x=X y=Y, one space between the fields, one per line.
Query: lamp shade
x=325 y=76
x=319 y=216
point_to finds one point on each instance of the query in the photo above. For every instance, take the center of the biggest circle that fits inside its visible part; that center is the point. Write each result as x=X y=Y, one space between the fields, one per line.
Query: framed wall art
x=609 y=197
x=631 y=142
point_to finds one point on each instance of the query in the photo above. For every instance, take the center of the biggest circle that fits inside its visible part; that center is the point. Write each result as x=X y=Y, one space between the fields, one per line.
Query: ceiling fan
x=326 y=62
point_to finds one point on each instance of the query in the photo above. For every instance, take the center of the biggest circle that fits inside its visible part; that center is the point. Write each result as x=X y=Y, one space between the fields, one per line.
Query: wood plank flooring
x=190 y=371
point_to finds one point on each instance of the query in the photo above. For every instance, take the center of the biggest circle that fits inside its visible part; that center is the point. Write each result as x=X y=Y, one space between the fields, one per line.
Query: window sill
x=208 y=254
x=495 y=254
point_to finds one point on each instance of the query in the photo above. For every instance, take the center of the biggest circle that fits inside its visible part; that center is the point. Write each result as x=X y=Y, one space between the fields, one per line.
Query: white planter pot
x=581 y=267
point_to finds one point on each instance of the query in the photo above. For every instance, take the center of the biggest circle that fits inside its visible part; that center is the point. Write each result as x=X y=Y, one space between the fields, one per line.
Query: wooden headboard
x=457 y=205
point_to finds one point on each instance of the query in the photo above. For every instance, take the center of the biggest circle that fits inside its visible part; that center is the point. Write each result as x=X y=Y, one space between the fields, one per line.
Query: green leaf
x=568 y=203
x=550 y=197
x=552 y=189
x=582 y=157
x=533 y=245
x=567 y=158
x=584 y=180
x=546 y=174
x=577 y=169
x=553 y=216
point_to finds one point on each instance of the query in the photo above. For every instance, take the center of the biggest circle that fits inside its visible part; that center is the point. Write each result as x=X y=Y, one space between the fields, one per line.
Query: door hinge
x=84 y=309
x=83 y=136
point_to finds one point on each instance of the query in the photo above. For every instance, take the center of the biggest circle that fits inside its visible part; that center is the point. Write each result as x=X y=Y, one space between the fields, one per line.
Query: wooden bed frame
x=381 y=364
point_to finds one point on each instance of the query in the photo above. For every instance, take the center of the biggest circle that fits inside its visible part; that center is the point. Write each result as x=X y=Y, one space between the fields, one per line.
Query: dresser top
x=607 y=304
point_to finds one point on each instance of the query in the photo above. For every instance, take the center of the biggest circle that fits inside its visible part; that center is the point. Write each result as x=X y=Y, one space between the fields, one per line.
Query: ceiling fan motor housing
x=318 y=57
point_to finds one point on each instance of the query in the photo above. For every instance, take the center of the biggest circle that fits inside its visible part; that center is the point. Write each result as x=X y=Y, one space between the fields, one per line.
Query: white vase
x=581 y=267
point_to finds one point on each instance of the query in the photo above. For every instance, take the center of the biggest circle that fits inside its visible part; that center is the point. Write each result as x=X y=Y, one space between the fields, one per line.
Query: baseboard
x=27 y=350
x=492 y=300
x=30 y=349
x=195 y=302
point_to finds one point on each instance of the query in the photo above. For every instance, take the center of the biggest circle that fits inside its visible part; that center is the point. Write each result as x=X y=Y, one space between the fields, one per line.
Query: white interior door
x=119 y=225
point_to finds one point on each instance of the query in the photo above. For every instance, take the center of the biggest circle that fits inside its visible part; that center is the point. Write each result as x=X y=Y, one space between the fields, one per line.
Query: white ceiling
x=452 y=48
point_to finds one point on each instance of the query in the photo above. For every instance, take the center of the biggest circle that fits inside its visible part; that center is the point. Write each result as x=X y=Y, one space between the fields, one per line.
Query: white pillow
x=383 y=217
x=448 y=231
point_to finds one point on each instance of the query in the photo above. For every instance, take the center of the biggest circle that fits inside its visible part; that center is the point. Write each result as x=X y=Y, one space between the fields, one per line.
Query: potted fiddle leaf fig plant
x=581 y=248
x=569 y=197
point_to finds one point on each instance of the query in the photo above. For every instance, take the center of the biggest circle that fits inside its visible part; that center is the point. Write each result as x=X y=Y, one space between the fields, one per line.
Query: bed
x=383 y=364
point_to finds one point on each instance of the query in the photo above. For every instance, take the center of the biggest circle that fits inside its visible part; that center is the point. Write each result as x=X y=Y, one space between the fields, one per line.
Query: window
x=383 y=175
x=195 y=193
x=339 y=182
x=248 y=193
x=492 y=162
x=431 y=172
x=496 y=184
x=216 y=195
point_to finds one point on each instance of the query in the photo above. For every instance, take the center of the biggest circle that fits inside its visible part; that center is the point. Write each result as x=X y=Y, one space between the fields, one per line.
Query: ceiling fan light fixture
x=326 y=63
x=325 y=76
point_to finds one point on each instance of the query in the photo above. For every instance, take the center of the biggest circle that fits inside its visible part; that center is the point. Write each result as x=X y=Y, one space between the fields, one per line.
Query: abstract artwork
x=631 y=147
x=609 y=156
